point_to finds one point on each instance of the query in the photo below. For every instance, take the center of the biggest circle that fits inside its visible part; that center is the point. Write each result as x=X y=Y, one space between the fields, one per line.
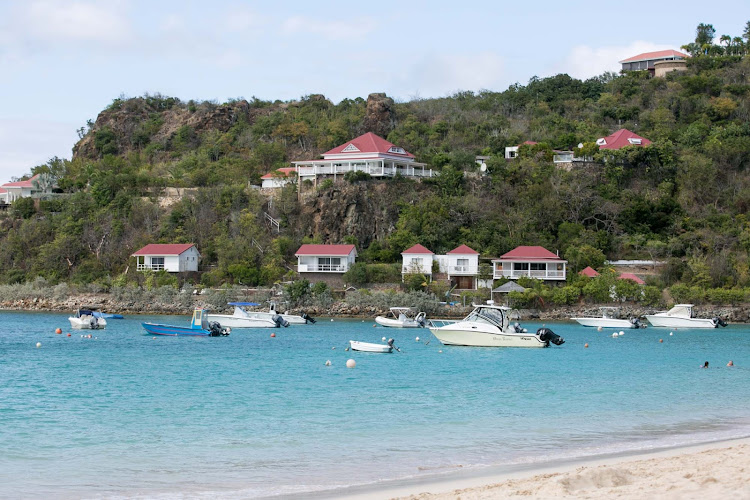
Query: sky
x=62 y=62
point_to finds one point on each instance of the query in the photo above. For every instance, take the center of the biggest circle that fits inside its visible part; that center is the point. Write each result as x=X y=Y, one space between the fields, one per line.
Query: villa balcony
x=536 y=274
x=150 y=267
x=374 y=170
x=462 y=270
x=322 y=268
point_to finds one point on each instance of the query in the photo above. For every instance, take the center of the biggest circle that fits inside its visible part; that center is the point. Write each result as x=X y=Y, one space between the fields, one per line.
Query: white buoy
x=614 y=335
x=39 y=344
x=417 y=339
x=333 y=348
x=670 y=333
x=328 y=363
x=622 y=333
x=383 y=339
x=331 y=319
x=598 y=328
x=350 y=363
x=440 y=350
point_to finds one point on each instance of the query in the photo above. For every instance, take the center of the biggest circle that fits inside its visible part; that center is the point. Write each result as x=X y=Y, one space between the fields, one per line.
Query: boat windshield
x=487 y=315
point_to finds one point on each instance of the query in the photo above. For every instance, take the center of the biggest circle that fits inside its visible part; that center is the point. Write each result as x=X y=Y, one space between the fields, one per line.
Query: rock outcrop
x=380 y=116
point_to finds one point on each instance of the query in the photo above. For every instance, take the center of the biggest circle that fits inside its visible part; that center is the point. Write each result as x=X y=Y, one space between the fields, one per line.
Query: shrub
x=357 y=274
x=356 y=176
x=566 y=295
x=415 y=282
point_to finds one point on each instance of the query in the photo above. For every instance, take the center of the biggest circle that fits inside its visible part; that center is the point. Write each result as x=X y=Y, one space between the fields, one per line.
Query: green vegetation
x=683 y=199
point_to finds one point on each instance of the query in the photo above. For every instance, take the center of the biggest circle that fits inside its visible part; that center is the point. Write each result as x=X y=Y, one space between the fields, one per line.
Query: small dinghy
x=368 y=347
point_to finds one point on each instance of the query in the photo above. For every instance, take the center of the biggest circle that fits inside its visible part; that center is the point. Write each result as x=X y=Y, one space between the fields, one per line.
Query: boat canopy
x=684 y=310
x=243 y=304
x=492 y=315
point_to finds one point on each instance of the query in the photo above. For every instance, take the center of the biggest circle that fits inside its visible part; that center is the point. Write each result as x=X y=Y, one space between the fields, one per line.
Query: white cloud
x=355 y=28
x=585 y=62
x=27 y=143
x=59 y=21
x=440 y=75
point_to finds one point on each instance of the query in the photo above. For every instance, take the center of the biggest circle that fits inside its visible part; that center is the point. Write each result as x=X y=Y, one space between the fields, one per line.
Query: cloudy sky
x=63 y=61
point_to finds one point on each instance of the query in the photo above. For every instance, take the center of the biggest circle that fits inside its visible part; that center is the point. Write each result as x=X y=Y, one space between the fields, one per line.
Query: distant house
x=530 y=261
x=325 y=262
x=591 y=273
x=463 y=267
x=279 y=178
x=23 y=189
x=512 y=151
x=173 y=258
x=417 y=260
x=620 y=139
x=661 y=61
x=367 y=153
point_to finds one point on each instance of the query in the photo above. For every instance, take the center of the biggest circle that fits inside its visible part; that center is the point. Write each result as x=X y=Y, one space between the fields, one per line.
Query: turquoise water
x=126 y=414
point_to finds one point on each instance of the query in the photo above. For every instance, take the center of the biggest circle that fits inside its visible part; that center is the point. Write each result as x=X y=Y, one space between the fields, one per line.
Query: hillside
x=683 y=199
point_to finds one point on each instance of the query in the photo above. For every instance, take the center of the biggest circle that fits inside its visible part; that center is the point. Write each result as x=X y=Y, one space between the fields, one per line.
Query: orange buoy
x=586 y=344
x=661 y=341
x=273 y=335
x=68 y=335
x=59 y=330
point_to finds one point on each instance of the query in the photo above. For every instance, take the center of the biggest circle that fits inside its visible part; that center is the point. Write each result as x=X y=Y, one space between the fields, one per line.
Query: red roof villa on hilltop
x=367 y=153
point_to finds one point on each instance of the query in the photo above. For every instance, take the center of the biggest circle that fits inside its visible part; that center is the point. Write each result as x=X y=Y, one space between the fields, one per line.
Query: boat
x=368 y=347
x=610 y=319
x=402 y=317
x=86 y=319
x=489 y=326
x=104 y=315
x=199 y=326
x=290 y=319
x=243 y=319
x=681 y=316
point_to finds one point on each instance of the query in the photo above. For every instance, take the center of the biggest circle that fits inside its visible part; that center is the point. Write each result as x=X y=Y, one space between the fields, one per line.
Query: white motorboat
x=85 y=319
x=272 y=314
x=610 y=319
x=243 y=319
x=489 y=326
x=681 y=316
x=402 y=317
x=368 y=347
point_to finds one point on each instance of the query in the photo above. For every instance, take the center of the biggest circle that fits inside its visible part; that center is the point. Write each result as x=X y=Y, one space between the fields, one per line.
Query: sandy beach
x=706 y=472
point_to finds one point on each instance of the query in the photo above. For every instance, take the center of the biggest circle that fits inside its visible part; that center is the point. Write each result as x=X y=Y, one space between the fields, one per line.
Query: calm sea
x=125 y=414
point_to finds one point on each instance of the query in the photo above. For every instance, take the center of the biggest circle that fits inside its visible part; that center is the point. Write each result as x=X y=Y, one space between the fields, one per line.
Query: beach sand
x=706 y=472
x=720 y=470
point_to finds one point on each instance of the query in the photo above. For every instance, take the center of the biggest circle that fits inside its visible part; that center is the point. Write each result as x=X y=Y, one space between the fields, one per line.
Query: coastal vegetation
x=683 y=199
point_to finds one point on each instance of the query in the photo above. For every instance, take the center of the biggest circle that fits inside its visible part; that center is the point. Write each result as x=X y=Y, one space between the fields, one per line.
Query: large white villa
x=367 y=153
x=530 y=261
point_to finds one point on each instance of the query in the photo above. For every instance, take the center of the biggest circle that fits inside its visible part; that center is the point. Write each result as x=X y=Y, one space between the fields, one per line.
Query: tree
x=704 y=36
x=746 y=33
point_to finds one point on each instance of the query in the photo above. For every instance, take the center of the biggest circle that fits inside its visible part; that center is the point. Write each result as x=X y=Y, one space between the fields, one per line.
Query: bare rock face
x=380 y=116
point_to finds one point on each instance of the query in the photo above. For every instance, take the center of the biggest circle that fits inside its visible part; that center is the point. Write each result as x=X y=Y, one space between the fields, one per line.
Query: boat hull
x=240 y=322
x=675 y=322
x=605 y=322
x=459 y=335
x=395 y=323
x=368 y=347
x=87 y=323
x=171 y=330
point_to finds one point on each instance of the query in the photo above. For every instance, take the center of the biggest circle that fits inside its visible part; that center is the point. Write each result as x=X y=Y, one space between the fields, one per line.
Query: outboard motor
x=217 y=330
x=308 y=318
x=636 y=322
x=719 y=322
x=421 y=319
x=276 y=318
x=547 y=335
x=390 y=343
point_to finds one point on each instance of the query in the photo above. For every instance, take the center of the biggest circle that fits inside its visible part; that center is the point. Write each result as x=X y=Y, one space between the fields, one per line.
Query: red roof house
x=463 y=250
x=417 y=260
x=632 y=277
x=173 y=258
x=647 y=60
x=313 y=258
x=418 y=249
x=278 y=178
x=589 y=271
x=462 y=267
x=530 y=261
x=621 y=139
x=367 y=144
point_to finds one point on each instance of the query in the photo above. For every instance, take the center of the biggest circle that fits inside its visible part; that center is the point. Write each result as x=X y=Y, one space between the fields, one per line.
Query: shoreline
x=704 y=470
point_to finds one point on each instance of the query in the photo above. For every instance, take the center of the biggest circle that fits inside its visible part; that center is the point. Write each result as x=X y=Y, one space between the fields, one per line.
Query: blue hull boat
x=99 y=314
x=199 y=327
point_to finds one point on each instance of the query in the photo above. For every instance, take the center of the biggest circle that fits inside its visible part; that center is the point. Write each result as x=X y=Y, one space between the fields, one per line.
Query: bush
x=415 y=282
x=357 y=274
x=566 y=295
x=356 y=176
x=384 y=273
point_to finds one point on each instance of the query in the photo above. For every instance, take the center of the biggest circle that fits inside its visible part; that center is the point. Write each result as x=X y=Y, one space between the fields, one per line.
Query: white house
x=21 y=189
x=367 y=153
x=512 y=151
x=531 y=261
x=417 y=260
x=325 y=258
x=173 y=258
x=279 y=178
x=649 y=60
x=462 y=267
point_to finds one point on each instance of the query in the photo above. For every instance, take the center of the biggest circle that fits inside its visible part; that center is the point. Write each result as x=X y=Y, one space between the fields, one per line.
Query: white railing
x=538 y=274
x=374 y=170
x=469 y=270
x=322 y=268
x=150 y=267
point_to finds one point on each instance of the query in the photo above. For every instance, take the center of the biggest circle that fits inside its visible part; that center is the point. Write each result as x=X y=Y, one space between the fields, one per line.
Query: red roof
x=280 y=172
x=164 y=249
x=464 y=250
x=21 y=184
x=369 y=143
x=631 y=276
x=622 y=138
x=417 y=249
x=659 y=54
x=589 y=271
x=529 y=143
x=2 y=190
x=309 y=249
x=530 y=253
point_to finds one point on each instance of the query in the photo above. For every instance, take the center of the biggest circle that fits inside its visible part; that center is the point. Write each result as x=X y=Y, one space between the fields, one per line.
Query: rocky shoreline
x=340 y=309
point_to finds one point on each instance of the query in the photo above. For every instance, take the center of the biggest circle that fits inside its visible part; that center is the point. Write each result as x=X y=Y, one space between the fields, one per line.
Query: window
x=396 y=149
x=350 y=149
x=633 y=140
x=538 y=266
x=520 y=266
x=329 y=263
x=601 y=142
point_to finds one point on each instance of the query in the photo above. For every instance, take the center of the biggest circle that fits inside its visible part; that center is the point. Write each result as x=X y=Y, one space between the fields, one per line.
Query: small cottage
x=173 y=258
x=325 y=262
